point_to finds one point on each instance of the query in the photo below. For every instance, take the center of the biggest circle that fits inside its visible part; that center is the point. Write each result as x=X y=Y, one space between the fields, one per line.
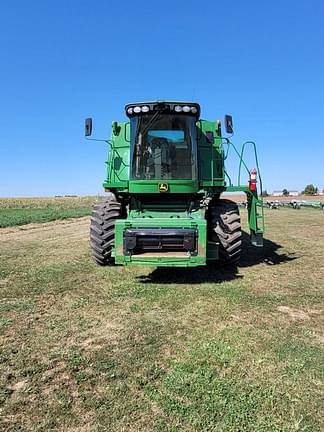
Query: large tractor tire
x=102 y=230
x=225 y=228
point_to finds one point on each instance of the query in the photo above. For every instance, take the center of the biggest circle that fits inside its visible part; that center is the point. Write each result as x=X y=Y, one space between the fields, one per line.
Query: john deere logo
x=163 y=187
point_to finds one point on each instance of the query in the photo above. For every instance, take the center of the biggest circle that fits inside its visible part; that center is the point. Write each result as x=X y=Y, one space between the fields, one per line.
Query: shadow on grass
x=191 y=275
x=267 y=254
x=217 y=273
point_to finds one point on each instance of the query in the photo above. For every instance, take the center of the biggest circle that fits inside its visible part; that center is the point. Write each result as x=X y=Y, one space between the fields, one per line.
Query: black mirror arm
x=109 y=142
x=227 y=140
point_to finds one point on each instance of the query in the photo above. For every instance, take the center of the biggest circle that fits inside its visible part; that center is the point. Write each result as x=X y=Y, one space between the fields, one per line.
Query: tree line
x=310 y=189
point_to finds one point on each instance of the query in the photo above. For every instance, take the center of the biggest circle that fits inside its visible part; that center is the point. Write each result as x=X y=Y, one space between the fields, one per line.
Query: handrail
x=256 y=162
x=229 y=178
x=227 y=141
x=240 y=156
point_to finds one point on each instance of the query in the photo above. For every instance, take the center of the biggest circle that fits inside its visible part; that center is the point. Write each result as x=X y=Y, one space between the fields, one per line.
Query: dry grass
x=21 y=211
x=46 y=202
x=84 y=348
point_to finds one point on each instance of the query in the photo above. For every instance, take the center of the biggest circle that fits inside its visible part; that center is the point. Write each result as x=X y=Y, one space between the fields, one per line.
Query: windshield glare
x=163 y=147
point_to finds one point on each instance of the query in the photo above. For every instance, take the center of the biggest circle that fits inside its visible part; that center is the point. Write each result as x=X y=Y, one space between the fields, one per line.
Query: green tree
x=285 y=192
x=310 y=189
x=264 y=193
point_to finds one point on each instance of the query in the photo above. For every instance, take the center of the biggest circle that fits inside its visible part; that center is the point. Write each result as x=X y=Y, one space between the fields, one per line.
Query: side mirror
x=229 y=124
x=219 y=128
x=115 y=128
x=88 y=127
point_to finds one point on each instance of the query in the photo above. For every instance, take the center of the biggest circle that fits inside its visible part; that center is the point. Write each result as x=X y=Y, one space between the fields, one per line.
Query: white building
x=293 y=193
x=277 y=193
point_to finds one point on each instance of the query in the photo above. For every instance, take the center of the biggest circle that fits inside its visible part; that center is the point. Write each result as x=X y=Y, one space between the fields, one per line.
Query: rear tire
x=102 y=230
x=225 y=228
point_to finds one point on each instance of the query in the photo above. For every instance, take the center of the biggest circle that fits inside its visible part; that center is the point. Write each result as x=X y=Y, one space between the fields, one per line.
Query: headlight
x=178 y=108
x=137 y=109
x=186 y=109
x=130 y=110
x=194 y=110
x=145 y=109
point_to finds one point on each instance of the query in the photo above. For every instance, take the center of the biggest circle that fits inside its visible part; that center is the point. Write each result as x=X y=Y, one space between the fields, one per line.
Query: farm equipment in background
x=308 y=204
x=295 y=204
x=165 y=176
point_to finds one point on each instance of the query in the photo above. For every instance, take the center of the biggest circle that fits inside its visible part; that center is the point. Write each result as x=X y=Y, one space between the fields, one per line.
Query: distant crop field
x=89 y=348
x=21 y=211
x=242 y=197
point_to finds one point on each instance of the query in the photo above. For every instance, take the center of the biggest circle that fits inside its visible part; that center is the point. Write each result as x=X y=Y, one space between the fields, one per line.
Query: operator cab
x=163 y=140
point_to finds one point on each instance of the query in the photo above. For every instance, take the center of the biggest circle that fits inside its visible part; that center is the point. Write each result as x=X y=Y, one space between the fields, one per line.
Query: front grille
x=143 y=240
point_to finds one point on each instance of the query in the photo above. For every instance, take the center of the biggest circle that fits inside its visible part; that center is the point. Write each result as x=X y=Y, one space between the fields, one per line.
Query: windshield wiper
x=145 y=129
x=149 y=124
x=138 y=146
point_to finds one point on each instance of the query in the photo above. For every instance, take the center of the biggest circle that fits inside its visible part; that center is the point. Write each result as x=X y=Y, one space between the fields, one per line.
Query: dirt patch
x=101 y=335
x=75 y=227
x=295 y=314
x=55 y=370
x=19 y=386
x=85 y=428
x=57 y=382
x=319 y=339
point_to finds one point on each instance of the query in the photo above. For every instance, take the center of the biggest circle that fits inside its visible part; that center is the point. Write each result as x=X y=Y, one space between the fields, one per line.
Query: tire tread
x=225 y=228
x=102 y=230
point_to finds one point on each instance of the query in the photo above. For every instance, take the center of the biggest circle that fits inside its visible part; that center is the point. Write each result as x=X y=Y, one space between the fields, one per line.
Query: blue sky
x=62 y=61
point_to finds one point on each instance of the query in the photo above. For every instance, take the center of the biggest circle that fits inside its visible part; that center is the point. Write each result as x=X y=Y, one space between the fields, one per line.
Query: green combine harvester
x=165 y=174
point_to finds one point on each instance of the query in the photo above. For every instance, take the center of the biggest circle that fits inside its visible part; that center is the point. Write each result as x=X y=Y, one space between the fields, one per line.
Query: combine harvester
x=165 y=175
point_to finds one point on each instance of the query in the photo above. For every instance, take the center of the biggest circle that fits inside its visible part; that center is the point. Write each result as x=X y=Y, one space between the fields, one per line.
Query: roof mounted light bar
x=165 y=107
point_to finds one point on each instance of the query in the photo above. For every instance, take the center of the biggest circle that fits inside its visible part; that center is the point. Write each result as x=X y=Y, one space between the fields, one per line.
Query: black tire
x=225 y=227
x=102 y=230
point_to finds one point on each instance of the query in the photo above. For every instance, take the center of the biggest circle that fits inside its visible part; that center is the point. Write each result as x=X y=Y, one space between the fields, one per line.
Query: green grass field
x=21 y=211
x=86 y=348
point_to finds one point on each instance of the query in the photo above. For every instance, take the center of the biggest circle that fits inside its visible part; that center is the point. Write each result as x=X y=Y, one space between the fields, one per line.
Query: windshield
x=164 y=147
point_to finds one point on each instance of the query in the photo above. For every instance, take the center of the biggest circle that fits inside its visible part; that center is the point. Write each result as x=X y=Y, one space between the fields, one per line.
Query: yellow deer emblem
x=163 y=187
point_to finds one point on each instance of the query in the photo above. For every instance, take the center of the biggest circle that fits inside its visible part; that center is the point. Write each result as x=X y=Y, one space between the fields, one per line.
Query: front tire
x=225 y=228
x=102 y=230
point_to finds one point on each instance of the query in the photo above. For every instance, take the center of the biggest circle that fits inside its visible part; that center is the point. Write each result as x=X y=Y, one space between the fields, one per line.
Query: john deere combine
x=165 y=175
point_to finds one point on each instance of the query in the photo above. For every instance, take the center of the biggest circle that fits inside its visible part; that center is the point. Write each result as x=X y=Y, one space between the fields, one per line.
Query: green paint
x=161 y=222
x=142 y=172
